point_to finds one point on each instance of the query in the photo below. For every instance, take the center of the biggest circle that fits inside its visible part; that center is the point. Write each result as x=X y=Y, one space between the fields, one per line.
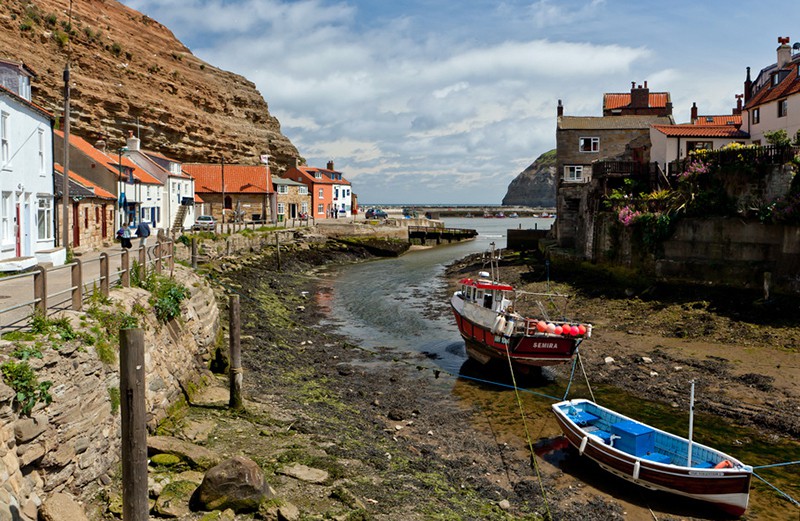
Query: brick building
x=294 y=201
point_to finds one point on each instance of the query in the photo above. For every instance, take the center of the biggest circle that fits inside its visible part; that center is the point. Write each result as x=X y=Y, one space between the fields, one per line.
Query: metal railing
x=48 y=290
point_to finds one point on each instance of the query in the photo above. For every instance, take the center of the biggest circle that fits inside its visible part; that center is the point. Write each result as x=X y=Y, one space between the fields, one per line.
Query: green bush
x=22 y=378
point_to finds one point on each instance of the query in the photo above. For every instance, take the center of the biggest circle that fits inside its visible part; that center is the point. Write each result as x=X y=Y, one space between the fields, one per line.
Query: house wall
x=250 y=203
x=666 y=149
x=769 y=120
x=87 y=167
x=293 y=196
x=90 y=224
x=26 y=180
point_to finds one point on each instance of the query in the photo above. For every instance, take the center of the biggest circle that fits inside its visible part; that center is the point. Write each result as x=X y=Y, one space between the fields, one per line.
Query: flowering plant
x=627 y=216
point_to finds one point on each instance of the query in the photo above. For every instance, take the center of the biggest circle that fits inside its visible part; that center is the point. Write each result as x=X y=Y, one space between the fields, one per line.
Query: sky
x=443 y=102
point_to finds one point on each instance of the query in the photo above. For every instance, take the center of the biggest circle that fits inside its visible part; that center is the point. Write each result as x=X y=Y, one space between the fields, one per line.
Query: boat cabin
x=488 y=294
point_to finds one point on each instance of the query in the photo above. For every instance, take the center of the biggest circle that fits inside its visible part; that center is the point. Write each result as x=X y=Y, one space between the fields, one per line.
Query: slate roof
x=282 y=181
x=611 y=122
x=243 y=179
x=718 y=131
x=613 y=100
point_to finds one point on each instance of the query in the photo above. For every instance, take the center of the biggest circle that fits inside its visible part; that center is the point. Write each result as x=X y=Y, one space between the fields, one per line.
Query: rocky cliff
x=129 y=72
x=536 y=185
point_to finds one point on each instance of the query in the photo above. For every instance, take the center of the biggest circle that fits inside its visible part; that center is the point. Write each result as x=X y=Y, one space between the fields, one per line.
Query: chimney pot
x=330 y=165
x=560 y=109
x=694 y=112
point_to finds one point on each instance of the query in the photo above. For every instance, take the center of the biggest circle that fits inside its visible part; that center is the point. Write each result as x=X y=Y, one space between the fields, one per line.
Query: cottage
x=92 y=211
x=234 y=193
x=294 y=201
x=331 y=193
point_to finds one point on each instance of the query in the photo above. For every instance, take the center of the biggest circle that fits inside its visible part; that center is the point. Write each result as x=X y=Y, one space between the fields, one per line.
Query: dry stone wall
x=74 y=442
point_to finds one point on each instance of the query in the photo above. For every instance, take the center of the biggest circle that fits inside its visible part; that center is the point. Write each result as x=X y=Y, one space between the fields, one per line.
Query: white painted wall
x=769 y=120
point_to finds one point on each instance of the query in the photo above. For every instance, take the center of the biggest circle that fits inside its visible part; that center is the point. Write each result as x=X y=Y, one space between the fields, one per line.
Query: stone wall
x=74 y=442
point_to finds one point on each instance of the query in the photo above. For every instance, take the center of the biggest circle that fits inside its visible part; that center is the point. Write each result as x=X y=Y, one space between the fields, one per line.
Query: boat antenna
x=691 y=425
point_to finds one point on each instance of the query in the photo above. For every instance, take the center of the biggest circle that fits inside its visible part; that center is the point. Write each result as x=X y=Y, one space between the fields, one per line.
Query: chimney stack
x=640 y=96
x=132 y=142
x=748 y=87
x=330 y=165
x=738 y=109
x=694 y=113
x=560 y=109
x=784 y=51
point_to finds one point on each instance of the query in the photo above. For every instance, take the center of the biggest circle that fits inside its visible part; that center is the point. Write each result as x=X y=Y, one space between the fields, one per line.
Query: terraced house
x=331 y=193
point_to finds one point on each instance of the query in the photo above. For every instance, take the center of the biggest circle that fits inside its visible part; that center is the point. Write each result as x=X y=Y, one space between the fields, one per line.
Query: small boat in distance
x=513 y=215
x=654 y=458
x=500 y=215
x=485 y=312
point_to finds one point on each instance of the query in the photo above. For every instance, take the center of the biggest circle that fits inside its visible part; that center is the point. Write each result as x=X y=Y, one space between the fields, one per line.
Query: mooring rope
x=777 y=465
x=585 y=376
x=571 y=375
x=527 y=435
x=779 y=491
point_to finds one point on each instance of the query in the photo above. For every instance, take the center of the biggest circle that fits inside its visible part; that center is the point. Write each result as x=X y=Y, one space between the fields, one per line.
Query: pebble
x=609 y=360
x=653 y=373
x=647 y=360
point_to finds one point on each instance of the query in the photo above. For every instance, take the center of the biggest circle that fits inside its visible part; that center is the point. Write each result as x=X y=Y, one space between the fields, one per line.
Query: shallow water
x=398 y=304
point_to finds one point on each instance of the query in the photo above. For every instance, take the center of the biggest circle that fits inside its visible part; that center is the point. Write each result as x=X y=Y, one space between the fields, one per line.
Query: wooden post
x=134 y=425
x=40 y=290
x=157 y=255
x=77 y=285
x=104 y=274
x=234 y=325
x=171 y=258
x=142 y=262
x=194 y=253
x=125 y=267
x=278 y=250
x=228 y=246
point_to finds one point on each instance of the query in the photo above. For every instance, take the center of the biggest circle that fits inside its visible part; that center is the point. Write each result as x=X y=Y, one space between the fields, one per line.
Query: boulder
x=237 y=483
x=61 y=507
x=304 y=473
x=174 y=499
x=195 y=455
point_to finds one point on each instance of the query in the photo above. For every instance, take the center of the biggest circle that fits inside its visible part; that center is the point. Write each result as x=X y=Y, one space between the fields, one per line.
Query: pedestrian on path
x=143 y=232
x=124 y=236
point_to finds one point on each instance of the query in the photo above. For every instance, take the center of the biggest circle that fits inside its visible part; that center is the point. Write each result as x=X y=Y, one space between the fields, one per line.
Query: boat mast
x=691 y=425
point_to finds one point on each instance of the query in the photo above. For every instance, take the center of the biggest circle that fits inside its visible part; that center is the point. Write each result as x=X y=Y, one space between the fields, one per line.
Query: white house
x=772 y=101
x=26 y=172
x=177 y=199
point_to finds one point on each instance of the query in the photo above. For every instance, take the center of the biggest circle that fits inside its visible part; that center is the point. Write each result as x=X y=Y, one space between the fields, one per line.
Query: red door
x=76 y=234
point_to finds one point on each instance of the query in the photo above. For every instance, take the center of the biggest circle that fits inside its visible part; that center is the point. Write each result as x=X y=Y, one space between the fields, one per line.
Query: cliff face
x=536 y=185
x=128 y=68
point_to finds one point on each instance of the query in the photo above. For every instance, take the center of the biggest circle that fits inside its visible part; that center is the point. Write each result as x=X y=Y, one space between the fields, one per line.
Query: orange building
x=331 y=194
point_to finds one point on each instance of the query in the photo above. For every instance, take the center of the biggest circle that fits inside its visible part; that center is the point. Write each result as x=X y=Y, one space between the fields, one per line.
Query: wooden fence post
x=125 y=267
x=278 y=250
x=142 y=262
x=194 y=253
x=104 y=274
x=234 y=330
x=157 y=255
x=40 y=290
x=77 y=285
x=171 y=250
x=134 y=425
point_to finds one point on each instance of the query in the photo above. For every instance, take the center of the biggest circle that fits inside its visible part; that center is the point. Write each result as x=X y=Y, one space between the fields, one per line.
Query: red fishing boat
x=487 y=319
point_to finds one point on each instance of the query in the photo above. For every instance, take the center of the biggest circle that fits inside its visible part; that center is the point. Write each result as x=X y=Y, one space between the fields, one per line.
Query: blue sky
x=446 y=102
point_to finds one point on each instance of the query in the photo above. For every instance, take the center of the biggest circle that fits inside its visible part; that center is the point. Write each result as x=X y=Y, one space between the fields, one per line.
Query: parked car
x=376 y=213
x=204 y=222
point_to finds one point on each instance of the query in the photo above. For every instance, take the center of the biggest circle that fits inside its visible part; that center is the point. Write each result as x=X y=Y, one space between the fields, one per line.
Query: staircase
x=177 y=226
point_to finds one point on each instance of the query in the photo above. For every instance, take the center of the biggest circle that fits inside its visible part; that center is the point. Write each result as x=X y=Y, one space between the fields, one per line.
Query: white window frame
x=321 y=193
x=283 y=189
x=320 y=208
x=304 y=207
x=573 y=173
x=589 y=144
x=783 y=107
x=44 y=218
x=304 y=190
x=40 y=141
x=756 y=115
x=6 y=206
x=281 y=208
x=5 y=146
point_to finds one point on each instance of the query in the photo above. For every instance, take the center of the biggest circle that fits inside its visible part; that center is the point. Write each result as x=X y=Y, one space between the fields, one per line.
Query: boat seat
x=582 y=417
x=702 y=465
x=657 y=457
x=605 y=436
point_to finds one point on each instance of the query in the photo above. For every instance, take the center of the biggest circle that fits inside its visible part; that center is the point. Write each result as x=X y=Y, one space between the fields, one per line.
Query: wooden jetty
x=430 y=235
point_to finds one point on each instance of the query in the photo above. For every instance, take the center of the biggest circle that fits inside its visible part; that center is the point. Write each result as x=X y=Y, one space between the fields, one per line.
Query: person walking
x=143 y=232
x=124 y=236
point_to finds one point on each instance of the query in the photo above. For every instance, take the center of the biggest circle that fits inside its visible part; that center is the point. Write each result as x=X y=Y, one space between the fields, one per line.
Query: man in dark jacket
x=143 y=232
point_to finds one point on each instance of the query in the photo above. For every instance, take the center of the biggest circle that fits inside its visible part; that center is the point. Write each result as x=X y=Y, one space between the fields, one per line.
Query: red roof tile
x=620 y=100
x=238 y=178
x=325 y=179
x=790 y=85
x=98 y=191
x=721 y=131
x=111 y=163
x=733 y=119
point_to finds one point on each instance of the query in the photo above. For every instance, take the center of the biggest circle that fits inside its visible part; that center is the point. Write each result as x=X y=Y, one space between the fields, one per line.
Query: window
x=589 y=144
x=4 y=146
x=573 y=173
x=304 y=208
x=44 y=217
x=318 y=174
x=283 y=189
x=321 y=194
x=303 y=190
x=699 y=145
x=776 y=79
x=85 y=217
x=41 y=152
x=783 y=107
x=756 y=115
x=5 y=217
x=320 y=209
x=281 y=208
